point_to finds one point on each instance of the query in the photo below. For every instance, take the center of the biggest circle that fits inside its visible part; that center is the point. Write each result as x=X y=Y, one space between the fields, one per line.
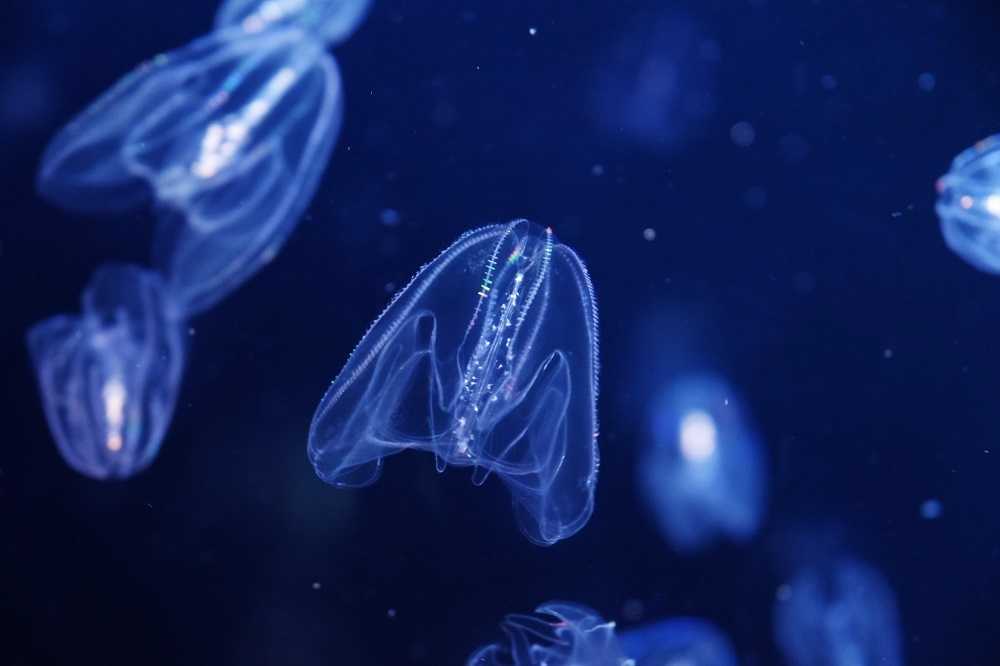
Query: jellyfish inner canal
x=505 y=297
x=698 y=436
x=113 y=394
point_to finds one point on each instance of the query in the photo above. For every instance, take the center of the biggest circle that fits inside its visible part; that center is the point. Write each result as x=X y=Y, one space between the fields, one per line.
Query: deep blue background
x=456 y=117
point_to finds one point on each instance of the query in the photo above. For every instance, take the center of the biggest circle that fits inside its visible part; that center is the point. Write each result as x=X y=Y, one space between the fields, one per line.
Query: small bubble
x=532 y=31
x=887 y=353
x=390 y=287
x=389 y=217
x=742 y=134
x=391 y=613
x=828 y=82
x=316 y=585
x=649 y=234
x=931 y=509
x=926 y=82
x=597 y=170
x=191 y=331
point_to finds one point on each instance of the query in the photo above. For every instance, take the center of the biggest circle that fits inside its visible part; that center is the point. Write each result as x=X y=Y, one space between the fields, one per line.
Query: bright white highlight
x=993 y=205
x=114 y=396
x=698 y=436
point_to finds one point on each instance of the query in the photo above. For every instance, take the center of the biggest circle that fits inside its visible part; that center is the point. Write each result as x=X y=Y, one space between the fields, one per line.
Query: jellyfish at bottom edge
x=109 y=377
x=680 y=641
x=557 y=634
x=968 y=205
x=839 y=614
x=701 y=471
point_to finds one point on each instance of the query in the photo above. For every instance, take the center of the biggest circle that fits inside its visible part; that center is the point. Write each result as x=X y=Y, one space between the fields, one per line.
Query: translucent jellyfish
x=332 y=21
x=109 y=377
x=487 y=359
x=556 y=634
x=969 y=205
x=701 y=472
x=229 y=135
x=839 y=615
x=682 y=641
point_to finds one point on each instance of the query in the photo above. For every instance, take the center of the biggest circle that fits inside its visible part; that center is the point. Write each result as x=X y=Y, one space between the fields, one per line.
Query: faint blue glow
x=742 y=134
x=926 y=82
x=931 y=509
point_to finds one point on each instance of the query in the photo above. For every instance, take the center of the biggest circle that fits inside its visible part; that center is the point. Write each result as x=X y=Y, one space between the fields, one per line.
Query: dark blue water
x=804 y=263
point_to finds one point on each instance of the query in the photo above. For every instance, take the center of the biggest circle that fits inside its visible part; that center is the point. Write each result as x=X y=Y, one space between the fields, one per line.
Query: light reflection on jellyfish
x=656 y=85
x=700 y=471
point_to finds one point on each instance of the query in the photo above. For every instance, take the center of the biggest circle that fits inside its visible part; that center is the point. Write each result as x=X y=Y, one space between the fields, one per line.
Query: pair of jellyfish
x=701 y=470
x=569 y=634
x=841 y=613
x=228 y=137
x=487 y=359
x=968 y=205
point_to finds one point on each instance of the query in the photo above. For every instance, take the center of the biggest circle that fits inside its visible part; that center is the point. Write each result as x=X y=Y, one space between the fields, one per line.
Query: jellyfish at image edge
x=330 y=21
x=842 y=614
x=228 y=135
x=968 y=205
x=701 y=472
x=556 y=634
x=109 y=377
x=680 y=641
x=487 y=359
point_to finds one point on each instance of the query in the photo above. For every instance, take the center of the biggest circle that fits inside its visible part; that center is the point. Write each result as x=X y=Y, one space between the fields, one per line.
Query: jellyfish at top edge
x=968 y=205
x=229 y=135
x=841 y=614
x=556 y=634
x=681 y=641
x=700 y=472
x=109 y=377
x=487 y=359
x=331 y=21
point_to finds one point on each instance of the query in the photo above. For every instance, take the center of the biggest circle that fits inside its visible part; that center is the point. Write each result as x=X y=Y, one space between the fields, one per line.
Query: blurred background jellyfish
x=656 y=84
x=680 y=641
x=556 y=634
x=842 y=614
x=969 y=205
x=701 y=473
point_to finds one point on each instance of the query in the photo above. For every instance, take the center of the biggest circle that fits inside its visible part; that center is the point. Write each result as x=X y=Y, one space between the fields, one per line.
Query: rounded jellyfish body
x=701 y=472
x=557 y=634
x=968 y=205
x=682 y=641
x=331 y=21
x=841 y=614
x=487 y=359
x=109 y=377
x=228 y=135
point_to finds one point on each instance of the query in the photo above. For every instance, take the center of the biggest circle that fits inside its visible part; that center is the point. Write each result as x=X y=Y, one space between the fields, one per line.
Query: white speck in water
x=649 y=234
x=597 y=170
x=887 y=353
x=391 y=613
x=532 y=31
x=389 y=217
x=316 y=585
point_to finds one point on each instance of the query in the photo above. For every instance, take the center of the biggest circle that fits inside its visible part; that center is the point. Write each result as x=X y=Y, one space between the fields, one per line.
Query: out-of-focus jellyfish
x=682 y=641
x=556 y=634
x=109 y=377
x=331 y=21
x=656 y=86
x=969 y=205
x=700 y=471
x=487 y=359
x=842 y=614
x=229 y=135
